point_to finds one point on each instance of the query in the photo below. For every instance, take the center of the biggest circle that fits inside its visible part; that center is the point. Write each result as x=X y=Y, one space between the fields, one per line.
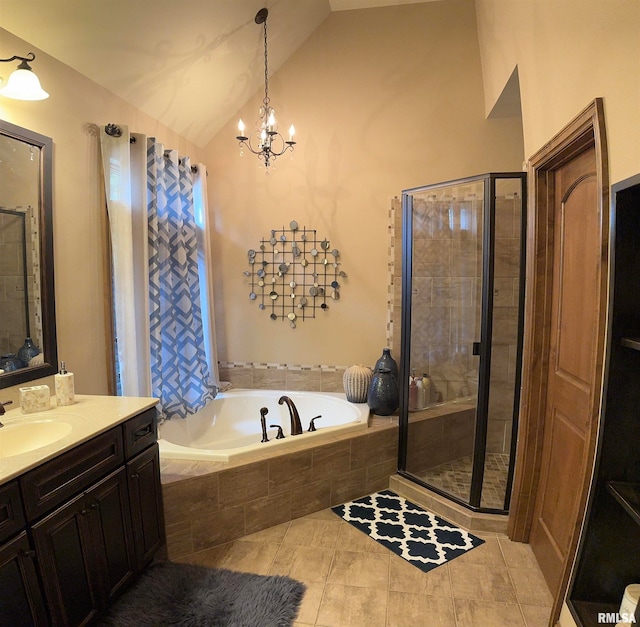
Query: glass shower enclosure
x=462 y=319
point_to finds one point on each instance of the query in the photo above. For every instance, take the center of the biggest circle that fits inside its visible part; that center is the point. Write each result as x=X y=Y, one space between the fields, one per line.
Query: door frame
x=587 y=130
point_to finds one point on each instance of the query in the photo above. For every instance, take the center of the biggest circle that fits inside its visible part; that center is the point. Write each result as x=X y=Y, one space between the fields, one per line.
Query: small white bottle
x=421 y=401
x=426 y=388
x=413 y=393
x=65 y=393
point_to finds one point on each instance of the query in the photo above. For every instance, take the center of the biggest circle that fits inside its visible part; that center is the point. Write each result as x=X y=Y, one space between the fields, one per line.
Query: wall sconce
x=23 y=84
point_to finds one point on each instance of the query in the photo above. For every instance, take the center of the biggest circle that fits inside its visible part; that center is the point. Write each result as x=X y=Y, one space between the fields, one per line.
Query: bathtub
x=229 y=427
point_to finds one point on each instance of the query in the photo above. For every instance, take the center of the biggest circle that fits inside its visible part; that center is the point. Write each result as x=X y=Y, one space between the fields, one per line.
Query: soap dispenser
x=65 y=394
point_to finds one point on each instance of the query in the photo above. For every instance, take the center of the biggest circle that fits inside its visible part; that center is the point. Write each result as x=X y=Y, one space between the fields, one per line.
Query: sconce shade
x=23 y=84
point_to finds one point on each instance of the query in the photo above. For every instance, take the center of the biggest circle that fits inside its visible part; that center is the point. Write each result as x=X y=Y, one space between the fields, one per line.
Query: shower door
x=461 y=336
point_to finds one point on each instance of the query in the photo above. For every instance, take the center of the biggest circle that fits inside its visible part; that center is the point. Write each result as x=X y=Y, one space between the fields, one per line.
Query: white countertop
x=88 y=417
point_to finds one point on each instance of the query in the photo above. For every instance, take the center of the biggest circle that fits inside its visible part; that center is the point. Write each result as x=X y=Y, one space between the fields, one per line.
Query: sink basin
x=23 y=437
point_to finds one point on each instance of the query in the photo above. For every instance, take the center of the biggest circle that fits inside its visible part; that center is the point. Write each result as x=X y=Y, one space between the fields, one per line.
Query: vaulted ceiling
x=191 y=64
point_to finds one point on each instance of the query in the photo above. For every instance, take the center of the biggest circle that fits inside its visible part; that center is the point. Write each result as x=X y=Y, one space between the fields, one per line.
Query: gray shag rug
x=185 y=594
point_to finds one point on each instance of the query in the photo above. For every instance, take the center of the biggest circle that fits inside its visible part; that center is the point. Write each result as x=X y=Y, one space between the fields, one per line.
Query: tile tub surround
x=211 y=503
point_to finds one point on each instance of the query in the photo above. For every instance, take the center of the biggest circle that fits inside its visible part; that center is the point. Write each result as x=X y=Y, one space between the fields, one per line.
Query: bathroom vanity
x=80 y=514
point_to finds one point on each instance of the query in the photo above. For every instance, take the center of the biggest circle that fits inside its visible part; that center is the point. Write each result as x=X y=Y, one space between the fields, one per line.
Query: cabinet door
x=146 y=504
x=11 y=516
x=21 y=601
x=63 y=543
x=108 y=509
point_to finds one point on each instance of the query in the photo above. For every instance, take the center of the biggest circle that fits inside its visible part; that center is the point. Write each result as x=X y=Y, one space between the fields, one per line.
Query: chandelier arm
x=285 y=145
x=246 y=143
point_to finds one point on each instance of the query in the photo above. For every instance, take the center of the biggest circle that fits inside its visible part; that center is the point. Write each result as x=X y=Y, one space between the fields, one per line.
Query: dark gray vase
x=383 y=397
x=28 y=351
x=386 y=361
x=10 y=362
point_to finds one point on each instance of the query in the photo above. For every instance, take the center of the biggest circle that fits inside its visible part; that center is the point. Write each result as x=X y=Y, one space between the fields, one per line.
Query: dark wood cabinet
x=85 y=547
x=147 y=511
x=95 y=518
x=608 y=558
x=21 y=601
x=63 y=547
x=11 y=514
x=109 y=511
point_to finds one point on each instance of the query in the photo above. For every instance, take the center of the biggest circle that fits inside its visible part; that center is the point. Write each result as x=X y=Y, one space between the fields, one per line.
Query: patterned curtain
x=180 y=376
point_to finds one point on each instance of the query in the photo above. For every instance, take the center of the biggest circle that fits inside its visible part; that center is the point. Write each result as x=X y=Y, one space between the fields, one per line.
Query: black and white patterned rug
x=420 y=537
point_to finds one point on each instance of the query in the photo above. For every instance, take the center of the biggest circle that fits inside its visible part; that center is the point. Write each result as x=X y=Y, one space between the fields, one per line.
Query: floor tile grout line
x=324 y=586
x=452 y=597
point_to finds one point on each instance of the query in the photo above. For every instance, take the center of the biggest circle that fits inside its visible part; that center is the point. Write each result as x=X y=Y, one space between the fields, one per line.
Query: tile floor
x=354 y=581
x=455 y=478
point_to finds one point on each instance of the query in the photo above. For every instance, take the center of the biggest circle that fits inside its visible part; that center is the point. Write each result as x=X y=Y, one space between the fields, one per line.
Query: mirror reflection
x=21 y=327
x=27 y=320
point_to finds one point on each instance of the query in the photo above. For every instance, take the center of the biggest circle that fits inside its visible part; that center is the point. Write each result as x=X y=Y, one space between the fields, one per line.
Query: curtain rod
x=115 y=131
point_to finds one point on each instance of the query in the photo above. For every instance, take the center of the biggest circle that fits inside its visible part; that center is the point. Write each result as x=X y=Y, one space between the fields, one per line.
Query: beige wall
x=568 y=52
x=68 y=116
x=383 y=100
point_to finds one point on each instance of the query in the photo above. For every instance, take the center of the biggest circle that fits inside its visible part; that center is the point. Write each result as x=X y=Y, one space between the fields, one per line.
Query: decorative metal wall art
x=293 y=273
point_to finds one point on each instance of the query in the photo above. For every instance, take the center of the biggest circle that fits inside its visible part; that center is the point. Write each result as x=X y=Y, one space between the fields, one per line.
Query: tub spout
x=296 y=426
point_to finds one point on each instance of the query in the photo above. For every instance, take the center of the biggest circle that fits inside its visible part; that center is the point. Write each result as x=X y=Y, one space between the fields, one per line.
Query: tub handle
x=280 y=435
x=263 y=412
x=312 y=426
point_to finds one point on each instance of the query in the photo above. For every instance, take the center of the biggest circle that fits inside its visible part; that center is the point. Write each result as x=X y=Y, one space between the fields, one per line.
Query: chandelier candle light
x=267 y=143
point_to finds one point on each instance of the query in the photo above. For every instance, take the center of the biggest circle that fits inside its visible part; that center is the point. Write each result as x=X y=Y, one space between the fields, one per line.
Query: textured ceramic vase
x=383 y=397
x=386 y=361
x=356 y=381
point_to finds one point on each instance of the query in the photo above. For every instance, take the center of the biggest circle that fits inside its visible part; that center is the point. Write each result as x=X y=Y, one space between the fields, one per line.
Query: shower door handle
x=476 y=348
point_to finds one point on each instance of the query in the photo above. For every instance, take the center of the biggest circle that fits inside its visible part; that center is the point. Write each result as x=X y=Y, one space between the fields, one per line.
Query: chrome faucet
x=296 y=426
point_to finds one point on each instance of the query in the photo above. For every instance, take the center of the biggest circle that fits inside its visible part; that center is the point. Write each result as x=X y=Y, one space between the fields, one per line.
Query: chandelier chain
x=266 y=71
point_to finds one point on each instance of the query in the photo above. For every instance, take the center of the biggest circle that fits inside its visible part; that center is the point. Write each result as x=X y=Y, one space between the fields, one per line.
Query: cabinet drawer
x=61 y=478
x=140 y=432
x=11 y=516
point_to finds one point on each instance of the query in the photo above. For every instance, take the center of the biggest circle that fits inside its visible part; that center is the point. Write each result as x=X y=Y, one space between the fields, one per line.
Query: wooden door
x=564 y=346
x=572 y=372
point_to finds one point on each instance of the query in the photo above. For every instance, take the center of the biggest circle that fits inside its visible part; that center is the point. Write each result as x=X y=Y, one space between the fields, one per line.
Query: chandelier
x=265 y=141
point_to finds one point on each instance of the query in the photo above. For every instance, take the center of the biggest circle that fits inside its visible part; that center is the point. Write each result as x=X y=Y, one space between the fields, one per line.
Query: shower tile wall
x=14 y=329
